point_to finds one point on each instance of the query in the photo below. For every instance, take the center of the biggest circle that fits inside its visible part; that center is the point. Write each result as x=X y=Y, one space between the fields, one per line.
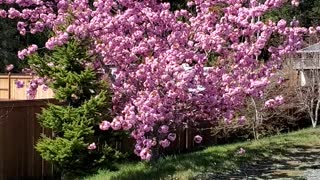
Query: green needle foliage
x=84 y=102
x=307 y=13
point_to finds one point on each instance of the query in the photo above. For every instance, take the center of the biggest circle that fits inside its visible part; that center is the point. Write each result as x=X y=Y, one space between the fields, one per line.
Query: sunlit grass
x=216 y=159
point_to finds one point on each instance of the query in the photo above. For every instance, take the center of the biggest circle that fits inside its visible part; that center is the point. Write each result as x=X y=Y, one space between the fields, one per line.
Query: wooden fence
x=19 y=131
x=184 y=140
x=8 y=89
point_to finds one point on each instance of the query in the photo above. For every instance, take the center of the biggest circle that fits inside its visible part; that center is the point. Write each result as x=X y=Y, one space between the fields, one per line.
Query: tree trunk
x=314 y=124
x=256 y=116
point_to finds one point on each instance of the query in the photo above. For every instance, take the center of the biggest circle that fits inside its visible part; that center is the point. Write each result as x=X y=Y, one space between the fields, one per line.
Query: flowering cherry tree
x=150 y=47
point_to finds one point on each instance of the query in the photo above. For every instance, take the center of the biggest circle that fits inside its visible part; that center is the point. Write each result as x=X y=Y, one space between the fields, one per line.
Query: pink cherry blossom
x=164 y=129
x=9 y=67
x=280 y=80
x=104 y=125
x=116 y=125
x=172 y=136
x=271 y=103
x=45 y=87
x=241 y=151
x=160 y=79
x=26 y=52
x=279 y=99
x=242 y=120
x=50 y=64
x=145 y=154
x=92 y=146
x=164 y=143
x=197 y=139
x=19 y=84
x=295 y=2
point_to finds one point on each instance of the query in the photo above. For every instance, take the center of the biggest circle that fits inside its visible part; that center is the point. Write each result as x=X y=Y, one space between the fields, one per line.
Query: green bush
x=84 y=101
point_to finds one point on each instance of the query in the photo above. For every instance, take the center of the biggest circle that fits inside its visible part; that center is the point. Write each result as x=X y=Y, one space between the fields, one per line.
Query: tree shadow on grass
x=272 y=161
x=276 y=162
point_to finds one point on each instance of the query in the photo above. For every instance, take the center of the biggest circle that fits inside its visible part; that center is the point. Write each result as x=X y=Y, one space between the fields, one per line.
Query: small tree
x=257 y=109
x=77 y=144
x=309 y=93
x=266 y=114
x=264 y=118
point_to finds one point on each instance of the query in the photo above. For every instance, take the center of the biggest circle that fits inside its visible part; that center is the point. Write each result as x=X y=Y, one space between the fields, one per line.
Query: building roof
x=310 y=49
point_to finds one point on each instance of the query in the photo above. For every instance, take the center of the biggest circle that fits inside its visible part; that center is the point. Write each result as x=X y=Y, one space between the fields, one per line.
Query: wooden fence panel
x=19 y=131
x=4 y=89
x=8 y=89
x=184 y=140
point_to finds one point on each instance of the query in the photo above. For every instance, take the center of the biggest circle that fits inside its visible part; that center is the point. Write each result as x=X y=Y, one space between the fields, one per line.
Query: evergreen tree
x=78 y=144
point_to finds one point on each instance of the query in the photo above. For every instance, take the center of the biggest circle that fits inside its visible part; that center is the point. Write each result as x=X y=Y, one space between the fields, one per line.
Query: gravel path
x=313 y=174
x=298 y=164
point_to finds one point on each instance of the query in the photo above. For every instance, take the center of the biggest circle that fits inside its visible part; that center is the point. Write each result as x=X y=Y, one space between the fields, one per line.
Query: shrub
x=77 y=144
x=255 y=119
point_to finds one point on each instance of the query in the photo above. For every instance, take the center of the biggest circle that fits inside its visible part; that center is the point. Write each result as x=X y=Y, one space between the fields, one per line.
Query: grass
x=217 y=160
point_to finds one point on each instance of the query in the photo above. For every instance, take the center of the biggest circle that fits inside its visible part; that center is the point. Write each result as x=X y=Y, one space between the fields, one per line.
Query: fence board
x=19 y=131
x=8 y=89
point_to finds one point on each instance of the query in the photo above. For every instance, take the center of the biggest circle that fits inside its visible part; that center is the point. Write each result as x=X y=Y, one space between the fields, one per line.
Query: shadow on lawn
x=272 y=161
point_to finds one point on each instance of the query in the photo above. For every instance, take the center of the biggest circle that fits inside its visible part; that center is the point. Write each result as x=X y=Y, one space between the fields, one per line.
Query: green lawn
x=220 y=160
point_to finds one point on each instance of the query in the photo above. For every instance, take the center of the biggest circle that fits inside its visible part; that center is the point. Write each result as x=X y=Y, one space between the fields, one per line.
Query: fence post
x=9 y=85
x=187 y=138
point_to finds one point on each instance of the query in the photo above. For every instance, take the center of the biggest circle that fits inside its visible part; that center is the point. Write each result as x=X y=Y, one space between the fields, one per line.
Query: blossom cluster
x=26 y=52
x=149 y=46
x=278 y=100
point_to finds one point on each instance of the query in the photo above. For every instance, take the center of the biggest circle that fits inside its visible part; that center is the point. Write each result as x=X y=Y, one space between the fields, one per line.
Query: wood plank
x=8 y=89
x=19 y=131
